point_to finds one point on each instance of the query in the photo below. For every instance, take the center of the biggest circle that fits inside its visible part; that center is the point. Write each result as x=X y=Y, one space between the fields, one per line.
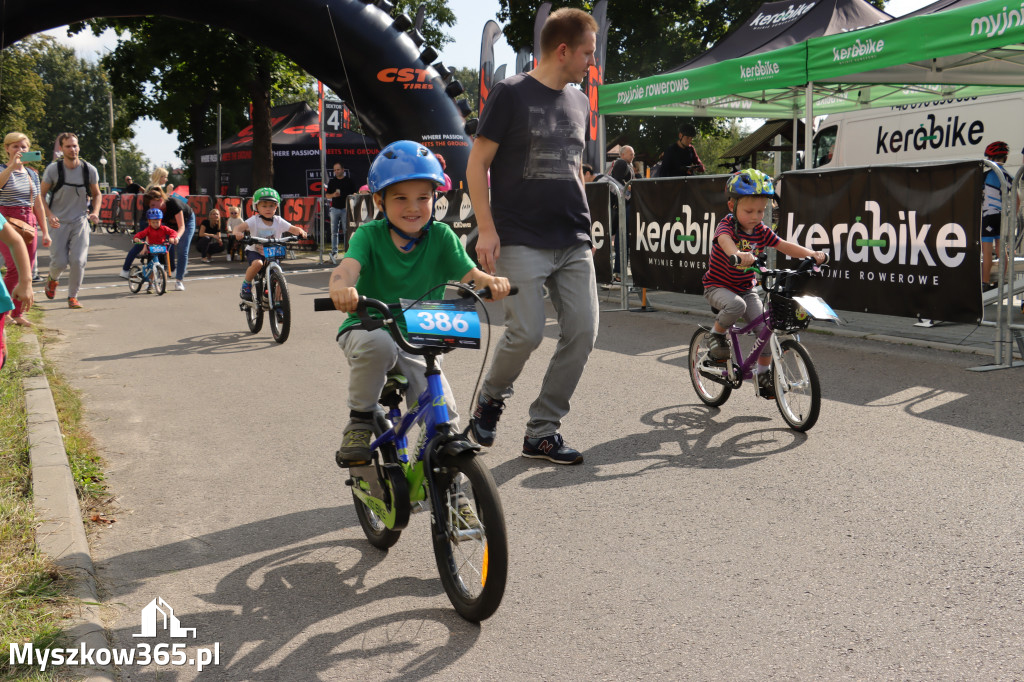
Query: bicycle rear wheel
x=797 y=390
x=159 y=279
x=374 y=527
x=253 y=309
x=281 y=312
x=470 y=544
x=135 y=279
x=710 y=392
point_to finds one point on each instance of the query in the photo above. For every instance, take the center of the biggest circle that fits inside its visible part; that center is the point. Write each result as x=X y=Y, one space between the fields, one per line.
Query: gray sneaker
x=355 y=445
x=551 y=448
x=718 y=347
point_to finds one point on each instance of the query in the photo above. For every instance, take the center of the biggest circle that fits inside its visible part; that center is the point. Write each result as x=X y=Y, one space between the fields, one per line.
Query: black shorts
x=990 y=225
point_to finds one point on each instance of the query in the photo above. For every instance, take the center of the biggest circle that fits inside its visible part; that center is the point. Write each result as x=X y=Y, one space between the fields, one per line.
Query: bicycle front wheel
x=797 y=390
x=281 y=310
x=710 y=392
x=135 y=279
x=470 y=544
x=159 y=279
x=253 y=309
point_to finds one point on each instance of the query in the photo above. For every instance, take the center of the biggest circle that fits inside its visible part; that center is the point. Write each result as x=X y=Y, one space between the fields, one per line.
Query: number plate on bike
x=274 y=250
x=452 y=323
x=157 y=248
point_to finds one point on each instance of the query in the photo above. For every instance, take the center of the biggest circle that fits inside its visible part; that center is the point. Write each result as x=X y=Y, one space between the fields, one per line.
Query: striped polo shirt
x=720 y=272
x=20 y=189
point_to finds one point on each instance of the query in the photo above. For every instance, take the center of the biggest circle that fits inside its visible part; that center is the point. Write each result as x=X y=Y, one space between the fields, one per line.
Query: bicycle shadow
x=271 y=617
x=220 y=343
x=681 y=437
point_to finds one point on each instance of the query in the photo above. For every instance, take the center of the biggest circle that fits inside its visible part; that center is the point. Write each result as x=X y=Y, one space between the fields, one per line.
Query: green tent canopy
x=960 y=52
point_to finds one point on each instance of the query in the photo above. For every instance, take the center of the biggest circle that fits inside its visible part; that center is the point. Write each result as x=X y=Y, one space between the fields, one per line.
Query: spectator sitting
x=210 y=236
x=232 y=244
x=130 y=186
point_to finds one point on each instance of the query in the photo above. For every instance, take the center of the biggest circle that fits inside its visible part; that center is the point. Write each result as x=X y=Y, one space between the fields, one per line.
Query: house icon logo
x=158 y=615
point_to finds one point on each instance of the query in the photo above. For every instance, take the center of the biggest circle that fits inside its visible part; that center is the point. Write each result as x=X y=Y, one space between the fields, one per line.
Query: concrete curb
x=61 y=533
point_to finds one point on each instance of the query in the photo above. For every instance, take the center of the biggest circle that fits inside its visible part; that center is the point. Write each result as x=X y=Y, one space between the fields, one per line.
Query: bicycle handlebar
x=370 y=323
x=285 y=239
x=806 y=267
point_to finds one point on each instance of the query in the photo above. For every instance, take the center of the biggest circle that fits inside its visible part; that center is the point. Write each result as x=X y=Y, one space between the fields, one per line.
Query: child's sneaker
x=551 y=448
x=484 y=423
x=766 y=385
x=718 y=347
x=355 y=445
x=246 y=293
x=467 y=518
x=125 y=274
x=51 y=288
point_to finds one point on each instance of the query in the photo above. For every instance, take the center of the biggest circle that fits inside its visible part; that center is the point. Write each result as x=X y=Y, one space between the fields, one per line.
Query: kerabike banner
x=902 y=240
x=670 y=230
x=599 y=200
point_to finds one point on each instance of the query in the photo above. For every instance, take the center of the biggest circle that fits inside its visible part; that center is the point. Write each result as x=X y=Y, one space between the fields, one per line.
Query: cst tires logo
x=409 y=78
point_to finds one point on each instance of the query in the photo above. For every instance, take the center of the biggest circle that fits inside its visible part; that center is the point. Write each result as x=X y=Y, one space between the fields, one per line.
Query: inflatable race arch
x=378 y=63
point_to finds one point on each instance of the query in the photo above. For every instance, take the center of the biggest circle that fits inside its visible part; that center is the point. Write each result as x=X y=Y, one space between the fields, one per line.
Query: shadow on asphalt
x=680 y=437
x=265 y=605
x=205 y=344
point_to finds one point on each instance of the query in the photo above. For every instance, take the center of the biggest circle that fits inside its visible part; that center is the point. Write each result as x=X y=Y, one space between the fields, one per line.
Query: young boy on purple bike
x=739 y=239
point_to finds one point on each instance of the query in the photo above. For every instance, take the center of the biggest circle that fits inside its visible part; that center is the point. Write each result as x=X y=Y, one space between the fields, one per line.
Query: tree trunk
x=262 y=153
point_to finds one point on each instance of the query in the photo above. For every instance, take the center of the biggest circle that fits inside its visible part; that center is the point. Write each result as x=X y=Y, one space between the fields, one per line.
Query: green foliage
x=23 y=94
x=436 y=17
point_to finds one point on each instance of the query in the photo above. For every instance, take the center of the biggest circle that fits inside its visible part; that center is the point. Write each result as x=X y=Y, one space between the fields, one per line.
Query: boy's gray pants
x=569 y=276
x=69 y=248
x=371 y=355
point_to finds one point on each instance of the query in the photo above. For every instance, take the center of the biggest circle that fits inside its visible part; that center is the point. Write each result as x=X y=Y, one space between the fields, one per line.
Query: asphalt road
x=693 y=543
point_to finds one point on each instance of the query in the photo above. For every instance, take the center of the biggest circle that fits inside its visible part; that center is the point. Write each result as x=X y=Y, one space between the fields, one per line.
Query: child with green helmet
x=264 y=224
x=405 y=254
x=739 y=239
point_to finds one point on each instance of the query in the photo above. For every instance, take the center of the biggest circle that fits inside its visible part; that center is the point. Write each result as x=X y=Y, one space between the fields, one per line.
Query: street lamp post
x=103 y=162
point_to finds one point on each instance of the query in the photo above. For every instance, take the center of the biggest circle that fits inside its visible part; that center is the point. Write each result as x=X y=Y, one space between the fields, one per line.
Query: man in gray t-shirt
x=73 y=205
x=534 y=228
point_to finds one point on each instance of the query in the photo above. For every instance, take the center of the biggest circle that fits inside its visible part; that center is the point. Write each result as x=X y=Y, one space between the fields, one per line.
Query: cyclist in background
x=992 y=211
x=405 y=254
x=155 y=232
x=264 y=224
x=743 y=234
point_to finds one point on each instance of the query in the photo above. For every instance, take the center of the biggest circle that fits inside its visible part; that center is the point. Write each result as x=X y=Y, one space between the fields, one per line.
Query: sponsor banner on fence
x=670 y=230
x=902 y=240
x=599 y=200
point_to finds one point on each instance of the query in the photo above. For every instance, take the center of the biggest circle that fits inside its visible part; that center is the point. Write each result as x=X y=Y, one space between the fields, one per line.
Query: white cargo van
x=929 y=131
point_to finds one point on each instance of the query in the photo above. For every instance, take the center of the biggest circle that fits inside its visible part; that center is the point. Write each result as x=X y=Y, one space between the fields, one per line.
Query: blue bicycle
x=441 y=474
x=151 y=271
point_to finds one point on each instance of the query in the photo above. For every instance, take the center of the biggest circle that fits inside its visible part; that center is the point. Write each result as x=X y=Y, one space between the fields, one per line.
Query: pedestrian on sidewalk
x=73 y=185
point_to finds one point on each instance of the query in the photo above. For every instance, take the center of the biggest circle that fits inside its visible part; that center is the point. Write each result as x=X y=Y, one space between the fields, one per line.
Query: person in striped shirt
x=739 y=240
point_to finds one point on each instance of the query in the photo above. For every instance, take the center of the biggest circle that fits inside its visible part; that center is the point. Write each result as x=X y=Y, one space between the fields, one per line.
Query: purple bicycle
x=786 y=314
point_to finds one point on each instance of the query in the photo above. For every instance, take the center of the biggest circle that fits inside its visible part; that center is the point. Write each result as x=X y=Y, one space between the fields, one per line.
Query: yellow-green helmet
x=750 y=183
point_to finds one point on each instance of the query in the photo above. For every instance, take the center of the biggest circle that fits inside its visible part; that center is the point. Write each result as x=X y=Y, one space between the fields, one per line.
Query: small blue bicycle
x=786 y=314
x=151 y=271
x=442 y=473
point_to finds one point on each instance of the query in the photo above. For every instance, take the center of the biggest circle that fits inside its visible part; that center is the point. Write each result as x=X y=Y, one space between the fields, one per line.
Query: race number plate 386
x=452 y=323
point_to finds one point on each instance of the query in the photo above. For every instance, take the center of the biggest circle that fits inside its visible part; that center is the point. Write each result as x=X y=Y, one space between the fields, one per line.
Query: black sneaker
x=355 y=445
x=246 y=293
x=766 y=385
x=551 y=448
x=484 y=423
x=718 y=347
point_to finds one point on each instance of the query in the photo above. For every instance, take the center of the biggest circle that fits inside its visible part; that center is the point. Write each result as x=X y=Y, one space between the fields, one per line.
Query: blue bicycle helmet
x=401 y=161
x=154 y=214
x=750 y=183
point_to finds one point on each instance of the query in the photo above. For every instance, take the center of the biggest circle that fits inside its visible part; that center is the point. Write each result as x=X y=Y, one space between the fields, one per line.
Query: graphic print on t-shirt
x=556 y=146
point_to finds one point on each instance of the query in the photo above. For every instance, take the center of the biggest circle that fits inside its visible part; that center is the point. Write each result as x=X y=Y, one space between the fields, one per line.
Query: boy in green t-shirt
x=404 y=255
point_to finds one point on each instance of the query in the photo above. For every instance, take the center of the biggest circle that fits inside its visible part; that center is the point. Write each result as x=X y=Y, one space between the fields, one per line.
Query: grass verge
x=35 y=597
